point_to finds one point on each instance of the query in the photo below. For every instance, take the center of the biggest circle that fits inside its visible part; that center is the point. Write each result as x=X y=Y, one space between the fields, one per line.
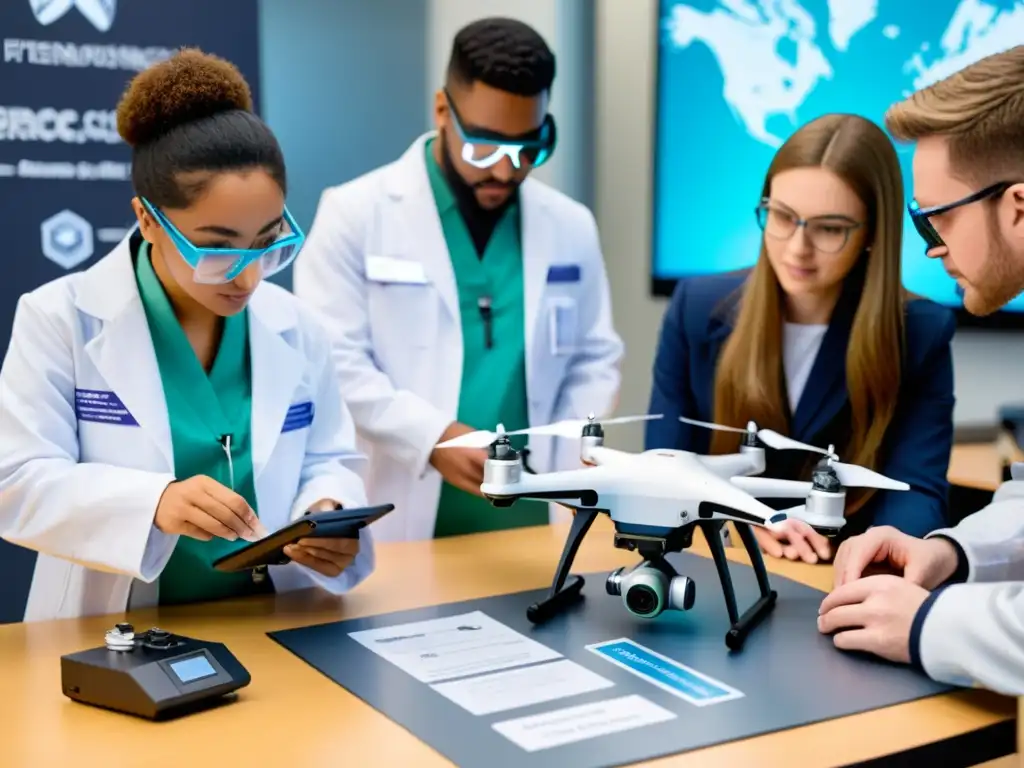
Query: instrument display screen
x=192 y=668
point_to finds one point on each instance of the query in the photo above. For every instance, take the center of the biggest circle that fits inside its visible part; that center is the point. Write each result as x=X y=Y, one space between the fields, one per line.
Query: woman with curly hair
x=168 y=405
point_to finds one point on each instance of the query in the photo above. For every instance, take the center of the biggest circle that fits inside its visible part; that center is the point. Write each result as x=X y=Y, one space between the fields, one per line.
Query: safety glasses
x=483 y=149
x=215 y=266
x=920 y=217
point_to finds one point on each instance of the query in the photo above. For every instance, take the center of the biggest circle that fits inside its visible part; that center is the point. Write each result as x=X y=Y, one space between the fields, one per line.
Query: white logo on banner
x=67 y=239
x=99 y=13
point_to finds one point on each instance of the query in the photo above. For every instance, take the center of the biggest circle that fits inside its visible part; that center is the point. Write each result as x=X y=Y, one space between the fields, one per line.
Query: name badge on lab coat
x=562 y=325
x=388 y=269
x=102 y=407
x=564 y=273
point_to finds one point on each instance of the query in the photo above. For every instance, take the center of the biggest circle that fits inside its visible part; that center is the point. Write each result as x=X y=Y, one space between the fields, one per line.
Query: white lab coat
x=83 y=494
x=377 y=268
x=973 y=634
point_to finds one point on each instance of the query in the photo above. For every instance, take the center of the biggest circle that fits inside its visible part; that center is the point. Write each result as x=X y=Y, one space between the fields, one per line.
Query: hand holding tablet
x=331 y=525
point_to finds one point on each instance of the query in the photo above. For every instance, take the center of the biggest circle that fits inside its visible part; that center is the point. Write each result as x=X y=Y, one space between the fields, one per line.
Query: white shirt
x=800 y=344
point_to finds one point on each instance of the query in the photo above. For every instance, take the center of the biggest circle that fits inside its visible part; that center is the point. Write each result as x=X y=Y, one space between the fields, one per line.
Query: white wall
x=989 y=371
x=623 y=102
x=988 y=366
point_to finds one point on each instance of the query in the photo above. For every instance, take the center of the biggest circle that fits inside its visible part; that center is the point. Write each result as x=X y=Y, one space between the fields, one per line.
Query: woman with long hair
x=819 y=340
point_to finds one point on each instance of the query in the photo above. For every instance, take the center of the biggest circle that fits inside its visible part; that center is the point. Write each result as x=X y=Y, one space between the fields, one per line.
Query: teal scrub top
x=493 y=387
x=203 y=408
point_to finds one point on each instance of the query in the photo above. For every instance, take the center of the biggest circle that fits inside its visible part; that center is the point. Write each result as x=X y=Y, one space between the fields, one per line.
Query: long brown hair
x=748 y=381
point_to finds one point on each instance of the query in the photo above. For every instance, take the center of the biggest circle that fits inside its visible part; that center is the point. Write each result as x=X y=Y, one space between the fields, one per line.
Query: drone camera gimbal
x=651 y=587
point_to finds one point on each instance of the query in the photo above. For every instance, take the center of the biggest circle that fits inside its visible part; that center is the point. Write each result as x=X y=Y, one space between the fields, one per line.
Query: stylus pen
x=484 y=305
x=225 y=443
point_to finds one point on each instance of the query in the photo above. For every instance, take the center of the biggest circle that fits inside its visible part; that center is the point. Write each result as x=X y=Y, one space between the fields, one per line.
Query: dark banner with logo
x=65 y=181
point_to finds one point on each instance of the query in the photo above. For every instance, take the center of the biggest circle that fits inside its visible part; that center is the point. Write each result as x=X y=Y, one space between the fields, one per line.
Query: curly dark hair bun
x=189 y=86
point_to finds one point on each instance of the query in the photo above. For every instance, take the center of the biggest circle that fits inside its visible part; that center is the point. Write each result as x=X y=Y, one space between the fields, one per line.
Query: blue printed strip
x=102 y=407
x=299 y=416
x=564 y=273
x=684 y=682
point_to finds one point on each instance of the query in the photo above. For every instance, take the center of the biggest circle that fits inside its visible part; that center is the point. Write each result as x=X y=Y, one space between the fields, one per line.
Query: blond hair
x=748 y=380
x=980 y=112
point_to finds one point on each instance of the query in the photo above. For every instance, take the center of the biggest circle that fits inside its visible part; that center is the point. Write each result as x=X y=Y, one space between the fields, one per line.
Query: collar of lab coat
x=108 y=288
x=123 y=353
x=406 y=182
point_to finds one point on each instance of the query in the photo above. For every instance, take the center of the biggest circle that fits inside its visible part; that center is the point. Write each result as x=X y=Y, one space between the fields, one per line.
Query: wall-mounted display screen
x=737 y=77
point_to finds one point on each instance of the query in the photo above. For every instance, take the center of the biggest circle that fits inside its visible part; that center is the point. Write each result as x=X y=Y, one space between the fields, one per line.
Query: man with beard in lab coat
x=460 y=293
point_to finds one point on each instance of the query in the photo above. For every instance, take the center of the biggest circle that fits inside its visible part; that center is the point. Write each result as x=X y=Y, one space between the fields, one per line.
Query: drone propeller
x=855 y=476
x=849 y=475
x=769 y=437
x=479 y=439
x=574 y=427
x=567 y=428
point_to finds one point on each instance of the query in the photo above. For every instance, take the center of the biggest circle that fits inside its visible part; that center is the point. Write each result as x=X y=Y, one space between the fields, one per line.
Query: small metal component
x=121 y=638
x=503 y=465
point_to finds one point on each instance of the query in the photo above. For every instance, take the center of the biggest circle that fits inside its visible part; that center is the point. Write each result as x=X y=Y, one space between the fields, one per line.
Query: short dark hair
x=192 y=113
x=503 y=53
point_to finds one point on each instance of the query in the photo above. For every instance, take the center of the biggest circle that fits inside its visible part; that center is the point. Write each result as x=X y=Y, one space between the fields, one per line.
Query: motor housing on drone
x=504 y=466
x=592 y=437
x=825 y=508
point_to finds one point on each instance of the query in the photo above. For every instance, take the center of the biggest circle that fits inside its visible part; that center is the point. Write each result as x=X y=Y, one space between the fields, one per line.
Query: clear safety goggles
x=215 y=266
x=483 y=149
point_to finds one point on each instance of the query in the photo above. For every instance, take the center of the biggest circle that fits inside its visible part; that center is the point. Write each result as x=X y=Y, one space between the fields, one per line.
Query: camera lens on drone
x=641 y=599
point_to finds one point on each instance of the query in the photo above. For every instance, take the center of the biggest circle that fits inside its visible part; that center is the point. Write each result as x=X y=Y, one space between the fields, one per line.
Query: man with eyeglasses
x=462 y=294
x=956 y=610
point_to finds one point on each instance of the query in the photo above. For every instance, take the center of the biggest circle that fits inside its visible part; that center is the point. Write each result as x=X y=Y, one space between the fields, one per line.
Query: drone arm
x=735 y=464
x=572 y=488
x=598 y=455
x=772 y=488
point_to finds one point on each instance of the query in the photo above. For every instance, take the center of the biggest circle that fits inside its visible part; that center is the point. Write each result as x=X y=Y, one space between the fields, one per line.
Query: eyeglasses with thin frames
x=828 y=234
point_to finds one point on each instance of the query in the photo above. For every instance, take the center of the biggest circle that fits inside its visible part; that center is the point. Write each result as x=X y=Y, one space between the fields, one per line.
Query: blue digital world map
x=737 y=77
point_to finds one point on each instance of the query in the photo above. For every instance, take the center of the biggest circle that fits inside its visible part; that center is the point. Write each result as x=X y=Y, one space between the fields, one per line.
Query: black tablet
x=337 y=523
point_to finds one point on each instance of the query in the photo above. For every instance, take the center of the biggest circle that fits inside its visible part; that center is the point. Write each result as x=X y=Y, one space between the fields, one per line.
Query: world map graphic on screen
x=737 y=77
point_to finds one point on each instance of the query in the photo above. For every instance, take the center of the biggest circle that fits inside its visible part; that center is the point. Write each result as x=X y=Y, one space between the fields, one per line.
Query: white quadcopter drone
x=657 y=497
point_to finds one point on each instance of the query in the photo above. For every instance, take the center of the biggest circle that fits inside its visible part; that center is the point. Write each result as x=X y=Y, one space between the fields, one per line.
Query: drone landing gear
x=566 y=588
x=741 y=625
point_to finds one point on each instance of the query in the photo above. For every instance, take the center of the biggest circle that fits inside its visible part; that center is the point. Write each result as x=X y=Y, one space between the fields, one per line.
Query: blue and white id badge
x=562 y=319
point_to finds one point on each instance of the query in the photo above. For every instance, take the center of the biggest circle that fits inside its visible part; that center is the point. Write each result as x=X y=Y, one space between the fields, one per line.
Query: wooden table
x=978 y=465
x=293 y=713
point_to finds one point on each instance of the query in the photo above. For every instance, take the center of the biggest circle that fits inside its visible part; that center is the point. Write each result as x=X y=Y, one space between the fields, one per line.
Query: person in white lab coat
x=165 y=406
x=956 y=609
x=460 y=293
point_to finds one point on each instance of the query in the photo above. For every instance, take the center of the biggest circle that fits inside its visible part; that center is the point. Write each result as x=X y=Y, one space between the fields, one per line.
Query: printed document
x=586 y=721
x=515 y=688
x=453 y=646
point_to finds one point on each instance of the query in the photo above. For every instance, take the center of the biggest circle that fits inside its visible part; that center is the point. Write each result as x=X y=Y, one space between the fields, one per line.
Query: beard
x=1001 y=278
x=464 y=188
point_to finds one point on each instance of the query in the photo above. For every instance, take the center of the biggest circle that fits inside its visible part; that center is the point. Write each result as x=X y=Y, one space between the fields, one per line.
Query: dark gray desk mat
x=791 y=675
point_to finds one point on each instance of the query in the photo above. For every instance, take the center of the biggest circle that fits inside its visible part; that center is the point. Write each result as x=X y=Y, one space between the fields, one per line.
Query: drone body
x=657 y=498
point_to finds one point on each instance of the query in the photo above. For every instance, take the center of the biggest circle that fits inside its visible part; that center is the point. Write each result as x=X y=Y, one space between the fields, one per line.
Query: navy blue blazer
x=916 y=447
